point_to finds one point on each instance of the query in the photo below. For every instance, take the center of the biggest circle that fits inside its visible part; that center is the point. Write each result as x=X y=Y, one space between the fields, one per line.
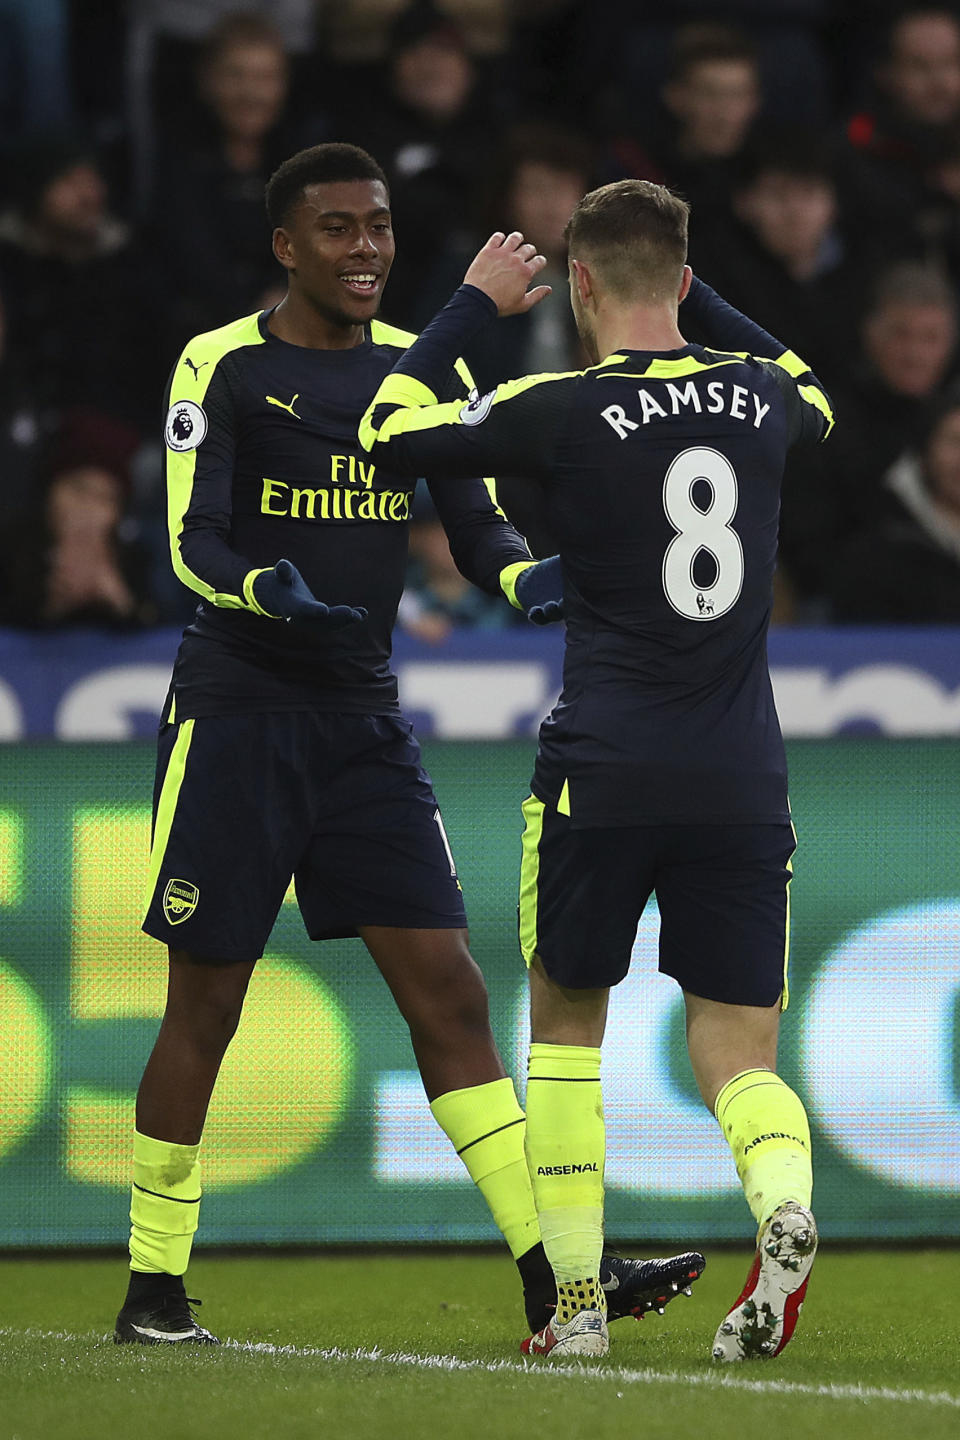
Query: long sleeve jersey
x=262 y=464
x=662 y=472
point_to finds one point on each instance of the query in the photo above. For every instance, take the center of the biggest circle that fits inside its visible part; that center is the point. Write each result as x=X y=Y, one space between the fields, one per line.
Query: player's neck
x=638 y=327
x=299 y=322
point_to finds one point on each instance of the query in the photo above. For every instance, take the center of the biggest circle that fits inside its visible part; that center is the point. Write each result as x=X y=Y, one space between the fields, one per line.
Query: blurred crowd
x=818 y=144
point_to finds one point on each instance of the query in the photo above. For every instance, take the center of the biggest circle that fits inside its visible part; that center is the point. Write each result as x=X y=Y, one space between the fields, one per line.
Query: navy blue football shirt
x=662 y=476
x=263 y=463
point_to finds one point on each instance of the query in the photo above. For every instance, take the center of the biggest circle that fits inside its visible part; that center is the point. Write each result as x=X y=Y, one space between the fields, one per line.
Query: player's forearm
x=482 y=541
x=422 y=371
x=489 y=555
x=727 y=327
x=205 y=563
x=433 y=355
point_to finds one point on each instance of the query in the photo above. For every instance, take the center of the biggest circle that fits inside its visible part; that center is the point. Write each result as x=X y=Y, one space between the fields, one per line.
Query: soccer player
x=662 y=766
x=282 y=749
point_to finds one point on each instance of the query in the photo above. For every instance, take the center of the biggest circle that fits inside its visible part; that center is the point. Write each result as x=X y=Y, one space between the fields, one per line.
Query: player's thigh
x=378 y=855
x=582 y=893
x=231 y=816
x=724 y=898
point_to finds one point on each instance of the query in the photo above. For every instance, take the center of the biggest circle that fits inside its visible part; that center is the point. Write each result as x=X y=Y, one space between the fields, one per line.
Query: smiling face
x=337 y=248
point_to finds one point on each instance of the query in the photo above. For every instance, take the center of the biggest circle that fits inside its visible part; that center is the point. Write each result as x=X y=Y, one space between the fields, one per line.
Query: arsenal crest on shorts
x=179 y=900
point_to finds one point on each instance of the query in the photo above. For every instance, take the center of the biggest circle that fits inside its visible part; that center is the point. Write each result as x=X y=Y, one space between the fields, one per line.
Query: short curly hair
x=317 y=165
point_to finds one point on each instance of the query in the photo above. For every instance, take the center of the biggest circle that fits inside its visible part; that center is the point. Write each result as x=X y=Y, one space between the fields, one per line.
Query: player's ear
x=685 y=280
x=583 y=280
x=283 y=248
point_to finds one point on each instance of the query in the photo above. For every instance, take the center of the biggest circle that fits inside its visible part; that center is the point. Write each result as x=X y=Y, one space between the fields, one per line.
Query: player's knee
x=455 y=1008
x=208 y=1007
x=220 y=1017
x=211 y=1026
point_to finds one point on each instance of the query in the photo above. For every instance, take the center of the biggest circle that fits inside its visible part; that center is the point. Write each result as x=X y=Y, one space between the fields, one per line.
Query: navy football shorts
x=723 y=893
x=339 y=802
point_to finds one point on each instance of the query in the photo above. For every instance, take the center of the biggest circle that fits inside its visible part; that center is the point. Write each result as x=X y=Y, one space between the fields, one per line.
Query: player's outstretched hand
x=540 y=591
x=284 y=593
x=504 y=268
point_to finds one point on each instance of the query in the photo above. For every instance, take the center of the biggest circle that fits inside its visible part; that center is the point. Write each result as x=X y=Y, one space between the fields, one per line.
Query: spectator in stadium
x=164 y=48
x=437 y=599
x=712 y=98
x=68 y=562
x=905 y=567
x=208 y=199
x=82 y=302
x=434 y=128
x=784 y=256
x=893 y=141
x=917 y=78
x=908 y=339
x=543 y=173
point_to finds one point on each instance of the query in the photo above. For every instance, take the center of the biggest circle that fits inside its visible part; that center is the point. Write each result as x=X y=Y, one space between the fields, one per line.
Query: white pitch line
x=711 y=1379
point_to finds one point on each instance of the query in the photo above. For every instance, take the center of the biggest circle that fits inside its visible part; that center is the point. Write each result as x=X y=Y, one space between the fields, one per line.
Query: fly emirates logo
x=719 y=398
x=350 y=495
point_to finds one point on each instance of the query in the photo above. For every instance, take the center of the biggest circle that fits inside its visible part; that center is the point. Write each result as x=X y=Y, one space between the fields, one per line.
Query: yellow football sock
x=485 y=1125
x=766 y=1127
x=164 y=1205
x=576 y=1295
x=565 y=1145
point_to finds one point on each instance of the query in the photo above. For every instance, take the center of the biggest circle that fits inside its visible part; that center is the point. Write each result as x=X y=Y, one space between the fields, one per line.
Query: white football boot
x=765 y=1314
x=585 y=1334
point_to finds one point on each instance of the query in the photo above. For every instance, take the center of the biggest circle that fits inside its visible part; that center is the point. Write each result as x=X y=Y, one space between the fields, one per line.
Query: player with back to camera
x=662 y=766
x=282 y=748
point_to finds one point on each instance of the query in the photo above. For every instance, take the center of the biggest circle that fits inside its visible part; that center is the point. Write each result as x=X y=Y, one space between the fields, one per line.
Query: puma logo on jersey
x=195 y=368
x=281 y=406
x=718 y=398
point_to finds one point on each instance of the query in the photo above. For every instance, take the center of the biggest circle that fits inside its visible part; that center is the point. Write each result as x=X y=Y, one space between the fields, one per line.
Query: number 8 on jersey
x=699 y=530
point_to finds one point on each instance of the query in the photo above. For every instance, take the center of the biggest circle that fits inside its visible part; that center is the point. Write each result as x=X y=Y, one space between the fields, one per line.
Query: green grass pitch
x=411 y=1346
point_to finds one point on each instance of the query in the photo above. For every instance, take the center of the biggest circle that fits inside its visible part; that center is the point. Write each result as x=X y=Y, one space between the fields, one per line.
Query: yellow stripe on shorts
x=785 y=993
x=532 y=810
x=166 y=809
